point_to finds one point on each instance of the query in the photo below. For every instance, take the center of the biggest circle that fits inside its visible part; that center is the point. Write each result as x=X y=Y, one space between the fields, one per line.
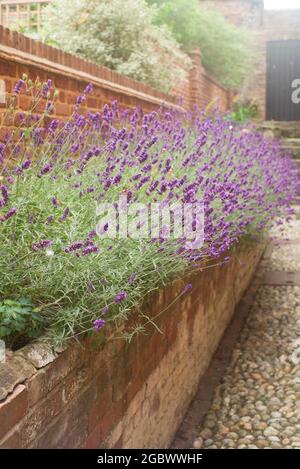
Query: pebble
x=248 y=426
x=276 y=415
x=274 y=438
x=262 y=443
x=257 y=403
x=270 y=431
x=198 y=443
x=206 y=433
x=208 y=442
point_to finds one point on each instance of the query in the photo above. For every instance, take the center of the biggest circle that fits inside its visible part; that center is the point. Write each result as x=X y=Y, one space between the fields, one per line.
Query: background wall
x=264 y=25
x=70 y=74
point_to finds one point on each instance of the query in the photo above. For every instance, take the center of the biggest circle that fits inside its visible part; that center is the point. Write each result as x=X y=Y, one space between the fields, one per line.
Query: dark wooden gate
x=283 y=67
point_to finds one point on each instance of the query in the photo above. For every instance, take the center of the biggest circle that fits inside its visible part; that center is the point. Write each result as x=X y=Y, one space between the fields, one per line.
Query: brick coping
x=22 y=49
x=8 y=53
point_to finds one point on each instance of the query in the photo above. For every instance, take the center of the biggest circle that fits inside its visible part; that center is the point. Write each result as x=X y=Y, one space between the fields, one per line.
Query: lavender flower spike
x=187 y=288
x=99 y=324
x=121 y=296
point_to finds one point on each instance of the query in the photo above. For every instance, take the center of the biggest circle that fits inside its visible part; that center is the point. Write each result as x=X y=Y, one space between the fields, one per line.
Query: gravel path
x=257 y=404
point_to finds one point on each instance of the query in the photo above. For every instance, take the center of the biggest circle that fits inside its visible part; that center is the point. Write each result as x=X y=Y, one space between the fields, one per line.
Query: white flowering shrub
x=119 y=34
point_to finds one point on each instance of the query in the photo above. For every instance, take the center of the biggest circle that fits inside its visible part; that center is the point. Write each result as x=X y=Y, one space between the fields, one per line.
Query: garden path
x=250 y=397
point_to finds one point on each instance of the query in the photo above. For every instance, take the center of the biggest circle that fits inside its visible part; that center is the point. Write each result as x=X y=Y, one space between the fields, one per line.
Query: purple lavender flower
x=99 y=324
x=80 y=100
x=92 y=234
x=74 y=246
x=163 y=156
x=88 y=89
x=26 y=164
x=46 y=88
x=49 y=219
x=18 y=86
x=90 y=250
x=4 y=191
x=45 y=169
x=45 y=243
x=132 y=278
x=49 y=107
x=65 y=214
x=31 y=219
x=5 y=195
x=11 y=212
x=121 y=296
x=187 y=288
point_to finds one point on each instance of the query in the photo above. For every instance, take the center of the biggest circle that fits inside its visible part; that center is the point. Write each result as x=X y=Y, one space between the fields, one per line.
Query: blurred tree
x=226 y=51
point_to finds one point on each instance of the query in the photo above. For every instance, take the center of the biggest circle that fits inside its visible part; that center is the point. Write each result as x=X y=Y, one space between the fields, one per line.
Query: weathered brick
x=71 y=98
x=61 y=82
x=92 y=102
x=37 y=387
x=63 y=365
x=62 y=96
x=93 y=440
x=8 y=68
x=11 y=441
x=8 y=85
x=53 y=434
x=77 y=437
x=13 y=409
x=40 y=416
x=75 y=383
x=62 y=109
x=12 y=372
x=25 y=102
x=38 y=354
x=99 y=407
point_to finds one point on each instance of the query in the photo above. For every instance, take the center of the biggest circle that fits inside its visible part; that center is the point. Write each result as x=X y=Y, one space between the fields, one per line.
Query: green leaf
x=10 y=302
x=27 y=133
x=25 y=301
x=4 y=331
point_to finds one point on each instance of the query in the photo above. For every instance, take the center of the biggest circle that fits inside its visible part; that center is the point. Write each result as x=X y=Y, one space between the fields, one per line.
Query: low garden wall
x=120 y=395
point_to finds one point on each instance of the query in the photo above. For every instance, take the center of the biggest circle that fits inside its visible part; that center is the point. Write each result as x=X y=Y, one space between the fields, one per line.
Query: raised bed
x=120 y=395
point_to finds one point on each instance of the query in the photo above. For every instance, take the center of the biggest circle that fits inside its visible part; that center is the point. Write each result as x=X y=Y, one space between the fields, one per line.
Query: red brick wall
x=119 y=395
x=70 y=74
x=204 y=91
x=200 y=89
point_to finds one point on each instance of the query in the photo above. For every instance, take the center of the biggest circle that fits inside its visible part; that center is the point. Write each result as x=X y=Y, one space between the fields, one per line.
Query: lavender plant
x=54 y=175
